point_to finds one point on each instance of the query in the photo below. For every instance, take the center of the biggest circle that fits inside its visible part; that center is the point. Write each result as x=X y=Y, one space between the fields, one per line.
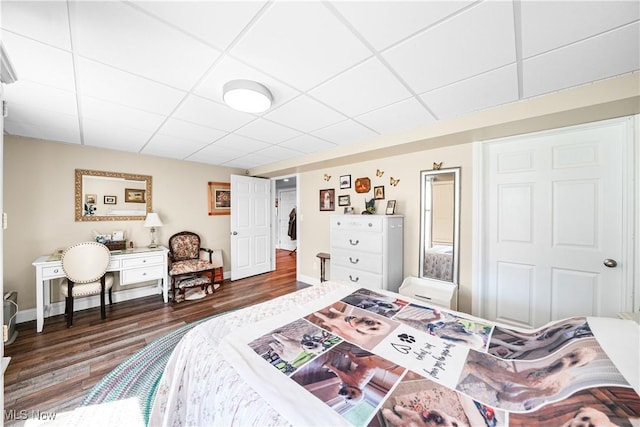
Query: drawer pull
x=144 y=274
x=56 y=270
x=423 y=296
x=370 y=225
x=354 y=262
x=144 y=260
x=338 y=223
x=354 y=280
x=352 y=243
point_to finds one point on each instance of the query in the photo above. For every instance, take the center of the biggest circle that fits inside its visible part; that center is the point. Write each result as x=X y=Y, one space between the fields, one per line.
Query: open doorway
x=285 y=230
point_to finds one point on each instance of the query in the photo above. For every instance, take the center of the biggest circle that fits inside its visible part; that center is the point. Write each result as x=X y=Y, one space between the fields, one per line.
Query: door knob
x=610 y=262
x=235 y=233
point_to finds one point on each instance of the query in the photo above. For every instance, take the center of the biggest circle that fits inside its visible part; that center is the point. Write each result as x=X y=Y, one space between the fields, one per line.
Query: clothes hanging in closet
x=292 y=224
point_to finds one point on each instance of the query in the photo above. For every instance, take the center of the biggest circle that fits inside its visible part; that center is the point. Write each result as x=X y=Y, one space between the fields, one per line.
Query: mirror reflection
x=111 y=196
x=439 y=224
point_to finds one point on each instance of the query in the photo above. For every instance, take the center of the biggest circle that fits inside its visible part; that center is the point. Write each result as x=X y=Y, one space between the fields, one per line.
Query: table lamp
x=152 y=221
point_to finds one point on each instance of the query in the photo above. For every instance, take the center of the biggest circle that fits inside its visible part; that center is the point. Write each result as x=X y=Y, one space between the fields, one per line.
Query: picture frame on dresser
x=391 y=207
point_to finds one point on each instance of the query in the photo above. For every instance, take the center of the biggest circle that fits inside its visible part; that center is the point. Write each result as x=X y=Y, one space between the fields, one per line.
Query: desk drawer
x=142 y=261
x=137 y=275
x=355 y=241
x=52 y=272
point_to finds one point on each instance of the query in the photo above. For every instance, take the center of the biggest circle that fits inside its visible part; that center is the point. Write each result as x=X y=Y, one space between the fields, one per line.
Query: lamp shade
x=152 y=220
x=247 y=96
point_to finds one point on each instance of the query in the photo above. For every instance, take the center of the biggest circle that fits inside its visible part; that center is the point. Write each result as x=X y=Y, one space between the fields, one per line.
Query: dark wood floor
x=54 y=370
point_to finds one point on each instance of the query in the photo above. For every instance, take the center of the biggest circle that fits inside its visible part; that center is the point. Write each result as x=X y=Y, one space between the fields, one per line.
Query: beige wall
x=39 y=201
x=313 y=225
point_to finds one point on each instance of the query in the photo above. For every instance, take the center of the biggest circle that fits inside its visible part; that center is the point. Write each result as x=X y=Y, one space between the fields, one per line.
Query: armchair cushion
x=189 y=266
x=185 y=246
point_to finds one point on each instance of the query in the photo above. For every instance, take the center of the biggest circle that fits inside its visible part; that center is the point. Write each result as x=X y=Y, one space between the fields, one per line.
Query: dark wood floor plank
x=54 y=370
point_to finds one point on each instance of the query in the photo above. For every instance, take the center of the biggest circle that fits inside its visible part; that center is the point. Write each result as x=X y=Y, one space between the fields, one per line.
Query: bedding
x=335 y=354
x=438 y=262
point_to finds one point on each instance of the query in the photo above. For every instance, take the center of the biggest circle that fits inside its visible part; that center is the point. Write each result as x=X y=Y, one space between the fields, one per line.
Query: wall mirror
x=111 y=196
x=440 y=224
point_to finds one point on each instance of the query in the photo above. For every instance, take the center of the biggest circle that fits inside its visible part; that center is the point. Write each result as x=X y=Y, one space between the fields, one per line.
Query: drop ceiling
x=146 y=76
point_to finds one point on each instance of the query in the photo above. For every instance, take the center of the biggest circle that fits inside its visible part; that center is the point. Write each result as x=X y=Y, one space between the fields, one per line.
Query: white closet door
x=554 y=213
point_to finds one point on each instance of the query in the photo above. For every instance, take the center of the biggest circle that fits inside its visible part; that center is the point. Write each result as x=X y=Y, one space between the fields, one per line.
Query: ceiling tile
x=30 y=121
x=122 y=88
x=485 y=91
x=34 y=95
x=346 y=132
x=170 y=146
x=384 y=23
x=38 y=20
x=228 y=69
x=277 y=152
x=119 y=115
x=307 y=144
x=249 y=161
x=140 y=44
x=314 y=116
x=363 y=88
x=237 y=142
x=403 y=115
x=478 y=40
x=208 y=113
x=190 y=131
x=264 y=130
x=547 y=25
x=214 y=22
x=614 y=53
x=101 y=133
x=215 y=155
x=37 y=62
x=305 y=50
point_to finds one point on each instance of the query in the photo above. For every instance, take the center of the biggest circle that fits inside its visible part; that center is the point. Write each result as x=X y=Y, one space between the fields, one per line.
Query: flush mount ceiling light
x=247 y=96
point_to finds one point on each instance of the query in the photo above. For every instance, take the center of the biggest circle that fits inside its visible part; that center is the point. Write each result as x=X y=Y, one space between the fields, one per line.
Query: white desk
x=134 y=265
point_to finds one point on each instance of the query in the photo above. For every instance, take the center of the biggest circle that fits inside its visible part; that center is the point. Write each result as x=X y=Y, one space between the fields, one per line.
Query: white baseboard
x=308 y=279
x=89 y=302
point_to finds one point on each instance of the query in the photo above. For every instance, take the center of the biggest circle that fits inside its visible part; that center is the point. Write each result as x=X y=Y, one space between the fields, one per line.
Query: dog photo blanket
x=370 y=357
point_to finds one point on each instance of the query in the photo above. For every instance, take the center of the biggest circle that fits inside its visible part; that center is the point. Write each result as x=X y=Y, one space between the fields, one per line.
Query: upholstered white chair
x=85 y=267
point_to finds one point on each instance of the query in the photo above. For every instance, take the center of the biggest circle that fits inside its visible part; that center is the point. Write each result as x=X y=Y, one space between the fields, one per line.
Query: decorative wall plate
x=363 y=185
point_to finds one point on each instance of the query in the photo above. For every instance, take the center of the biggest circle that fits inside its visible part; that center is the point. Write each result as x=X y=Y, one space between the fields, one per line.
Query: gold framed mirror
x=440 y=224
x=111 y=196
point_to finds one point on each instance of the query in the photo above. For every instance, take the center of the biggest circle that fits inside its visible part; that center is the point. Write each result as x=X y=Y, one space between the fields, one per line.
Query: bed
x=438 y=262
x=335 y=354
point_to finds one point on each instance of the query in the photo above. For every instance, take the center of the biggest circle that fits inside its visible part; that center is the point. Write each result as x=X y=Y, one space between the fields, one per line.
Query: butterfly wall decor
x=327 y=177
x=393 y=182
x=437 y=166
x=379 y=172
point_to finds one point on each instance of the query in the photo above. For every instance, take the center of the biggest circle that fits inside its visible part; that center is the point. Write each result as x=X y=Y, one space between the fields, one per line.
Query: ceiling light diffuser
x=247 y=96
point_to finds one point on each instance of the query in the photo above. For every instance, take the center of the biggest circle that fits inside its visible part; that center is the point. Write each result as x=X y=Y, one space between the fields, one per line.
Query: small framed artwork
x=327 y=199
x=348 y=210
x=135 y=195
x=90 y=199
x=219 y=198
x=110 y=200
x=345 y=181
x=363 y=185
x=391 y=207
x=344 y=200
x=378 y=192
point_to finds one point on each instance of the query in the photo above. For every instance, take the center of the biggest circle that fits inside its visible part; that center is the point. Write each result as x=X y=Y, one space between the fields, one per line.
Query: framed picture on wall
x=378 y=192
x=344 y=200
x=345 y=181
x=110 y=200
x=219 y=198
x=327 y=199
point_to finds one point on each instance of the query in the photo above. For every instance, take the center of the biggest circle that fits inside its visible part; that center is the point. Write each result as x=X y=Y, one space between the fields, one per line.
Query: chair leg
x=103 y=313
x=69 y=310
x=110 y=296
x=173 y=289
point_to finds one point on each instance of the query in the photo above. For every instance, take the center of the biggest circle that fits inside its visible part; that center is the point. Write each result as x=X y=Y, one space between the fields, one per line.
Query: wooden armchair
x=191 y=265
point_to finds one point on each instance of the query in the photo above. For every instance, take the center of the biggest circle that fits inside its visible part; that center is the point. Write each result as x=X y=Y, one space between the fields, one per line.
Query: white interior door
x=554 y=214
x=286 y=203
x=250 y=226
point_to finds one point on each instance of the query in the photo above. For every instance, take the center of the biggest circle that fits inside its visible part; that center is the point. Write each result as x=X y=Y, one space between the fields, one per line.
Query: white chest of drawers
x=367 y=250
